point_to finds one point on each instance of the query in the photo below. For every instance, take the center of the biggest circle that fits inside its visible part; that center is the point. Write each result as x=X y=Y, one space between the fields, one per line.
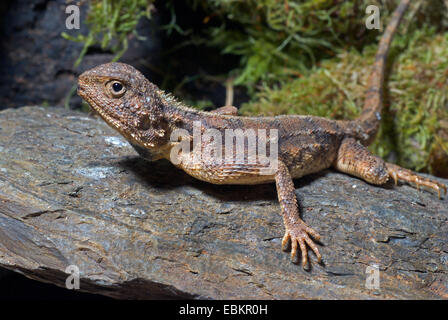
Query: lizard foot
x=398 y=173
x=299 y=234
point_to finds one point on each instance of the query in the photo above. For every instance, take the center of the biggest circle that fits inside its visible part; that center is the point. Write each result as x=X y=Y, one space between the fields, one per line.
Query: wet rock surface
x=73 y=192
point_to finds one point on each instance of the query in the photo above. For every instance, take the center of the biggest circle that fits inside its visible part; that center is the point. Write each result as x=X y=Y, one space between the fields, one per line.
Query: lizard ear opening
x=116 y=88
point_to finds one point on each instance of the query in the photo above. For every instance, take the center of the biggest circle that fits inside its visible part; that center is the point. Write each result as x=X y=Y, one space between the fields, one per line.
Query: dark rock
x=37 y=63
x=72 y=192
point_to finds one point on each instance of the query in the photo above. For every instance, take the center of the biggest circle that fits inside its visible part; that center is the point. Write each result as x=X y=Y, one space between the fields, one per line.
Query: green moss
x=412 y=133
x=110 y=22
x=280 y=39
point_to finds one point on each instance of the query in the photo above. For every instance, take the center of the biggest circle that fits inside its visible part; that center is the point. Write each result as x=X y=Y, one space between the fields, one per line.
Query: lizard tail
x=373 y=104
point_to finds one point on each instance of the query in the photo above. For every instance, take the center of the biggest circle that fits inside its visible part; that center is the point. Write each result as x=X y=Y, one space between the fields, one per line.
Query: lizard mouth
x=105 y=115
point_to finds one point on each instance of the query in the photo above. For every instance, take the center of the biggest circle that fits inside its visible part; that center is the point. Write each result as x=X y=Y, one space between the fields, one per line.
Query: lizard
x=147 y=117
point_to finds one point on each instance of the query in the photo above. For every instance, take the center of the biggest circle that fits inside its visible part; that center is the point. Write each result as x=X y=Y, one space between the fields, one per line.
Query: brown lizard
x=147 y=117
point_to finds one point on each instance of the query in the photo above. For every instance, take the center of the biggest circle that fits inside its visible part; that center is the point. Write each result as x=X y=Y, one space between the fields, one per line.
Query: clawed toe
x=398 y=173
x=298 y=236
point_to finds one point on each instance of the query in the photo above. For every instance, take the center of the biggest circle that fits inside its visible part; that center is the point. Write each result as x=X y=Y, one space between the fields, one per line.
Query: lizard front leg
x=355 y=159
x=296 y=231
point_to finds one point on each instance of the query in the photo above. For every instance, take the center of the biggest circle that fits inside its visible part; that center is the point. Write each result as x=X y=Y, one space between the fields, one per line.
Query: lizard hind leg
x=355 y=159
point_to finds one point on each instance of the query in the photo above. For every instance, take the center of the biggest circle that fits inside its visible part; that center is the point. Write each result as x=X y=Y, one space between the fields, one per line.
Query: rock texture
x=72 y=192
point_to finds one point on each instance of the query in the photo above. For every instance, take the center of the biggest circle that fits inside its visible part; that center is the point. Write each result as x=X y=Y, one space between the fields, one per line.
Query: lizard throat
x=123 y=129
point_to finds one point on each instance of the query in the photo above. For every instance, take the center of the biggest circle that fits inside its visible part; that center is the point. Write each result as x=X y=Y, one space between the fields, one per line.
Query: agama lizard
x=146 y=116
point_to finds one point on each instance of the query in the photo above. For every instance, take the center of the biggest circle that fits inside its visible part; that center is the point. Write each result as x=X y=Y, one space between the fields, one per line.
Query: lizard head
x=128 y=102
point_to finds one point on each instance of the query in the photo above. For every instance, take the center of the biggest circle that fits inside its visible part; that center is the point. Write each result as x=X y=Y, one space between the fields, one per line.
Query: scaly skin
x=147 y=117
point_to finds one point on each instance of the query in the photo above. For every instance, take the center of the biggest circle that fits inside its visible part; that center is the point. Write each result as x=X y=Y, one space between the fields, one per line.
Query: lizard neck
x=181 y=116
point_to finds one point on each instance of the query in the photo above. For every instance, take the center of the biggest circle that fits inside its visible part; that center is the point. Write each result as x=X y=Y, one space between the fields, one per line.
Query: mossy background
x=311 y=57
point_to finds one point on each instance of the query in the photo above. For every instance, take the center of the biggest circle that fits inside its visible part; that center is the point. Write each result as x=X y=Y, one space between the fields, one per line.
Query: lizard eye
x=116 y=88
